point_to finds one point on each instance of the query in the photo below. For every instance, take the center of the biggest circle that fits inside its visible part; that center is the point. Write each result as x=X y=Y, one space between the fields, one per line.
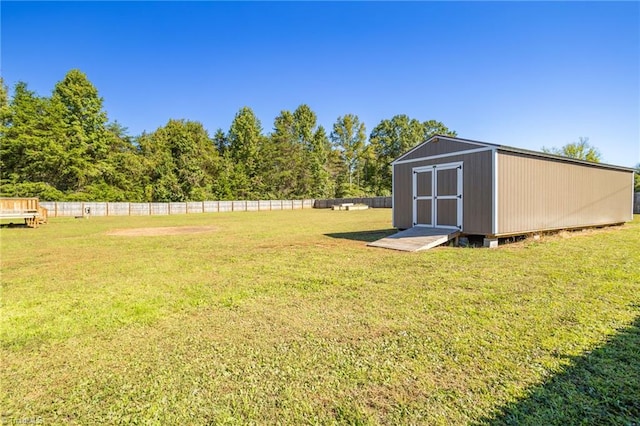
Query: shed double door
x=437 y=196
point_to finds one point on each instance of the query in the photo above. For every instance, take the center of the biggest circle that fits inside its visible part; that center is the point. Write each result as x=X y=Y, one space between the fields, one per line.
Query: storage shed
x=479 y=188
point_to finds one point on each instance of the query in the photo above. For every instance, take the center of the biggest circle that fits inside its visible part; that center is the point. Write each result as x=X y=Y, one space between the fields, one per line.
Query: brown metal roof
x=516 y=150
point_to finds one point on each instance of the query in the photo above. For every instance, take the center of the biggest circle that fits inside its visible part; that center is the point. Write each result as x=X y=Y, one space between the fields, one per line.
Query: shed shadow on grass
x=601 y=387
x=366 y=236
x=13 y=225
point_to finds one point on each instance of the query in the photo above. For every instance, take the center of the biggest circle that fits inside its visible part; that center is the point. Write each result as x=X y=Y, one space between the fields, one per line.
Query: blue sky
x=525 y=74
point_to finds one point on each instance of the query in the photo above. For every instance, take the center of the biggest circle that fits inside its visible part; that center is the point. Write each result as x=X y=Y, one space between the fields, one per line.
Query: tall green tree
x=4 y=108
x=220 y=141
x=183 y=162
x=316 y=146
x=322 y=185
x=5 y=116
x=580 y=150
x=19 y=131
x=245 y=142
x=32 y=149
x=245 y=137
x=349 y=138
x=284 y=156
x=636 y=179
x=77 y=106
x=297 y=155
x=433 y=127
x=124 y=171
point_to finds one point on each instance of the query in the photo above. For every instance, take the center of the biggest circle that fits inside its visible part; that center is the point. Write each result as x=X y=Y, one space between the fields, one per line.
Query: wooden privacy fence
x=636 y=203
x=73 y=208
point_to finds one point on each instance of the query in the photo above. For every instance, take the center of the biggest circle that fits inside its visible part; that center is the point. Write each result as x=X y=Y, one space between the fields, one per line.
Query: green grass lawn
x=288 y=318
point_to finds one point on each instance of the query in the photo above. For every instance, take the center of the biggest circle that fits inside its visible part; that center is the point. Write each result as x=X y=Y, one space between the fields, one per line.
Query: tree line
x=63 y=147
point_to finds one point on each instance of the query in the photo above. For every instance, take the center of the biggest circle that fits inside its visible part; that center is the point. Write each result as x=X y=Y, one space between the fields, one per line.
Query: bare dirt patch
x=160 y=231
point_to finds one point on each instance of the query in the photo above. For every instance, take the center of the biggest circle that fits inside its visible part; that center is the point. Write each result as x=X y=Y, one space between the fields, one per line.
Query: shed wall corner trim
x=494 y=192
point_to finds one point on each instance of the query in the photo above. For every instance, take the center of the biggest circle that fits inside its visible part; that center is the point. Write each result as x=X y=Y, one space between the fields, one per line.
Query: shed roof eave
x=531 y=153
x=506 y=148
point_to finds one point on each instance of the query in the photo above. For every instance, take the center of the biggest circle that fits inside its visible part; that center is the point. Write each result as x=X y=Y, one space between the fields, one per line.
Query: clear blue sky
x=526 y=74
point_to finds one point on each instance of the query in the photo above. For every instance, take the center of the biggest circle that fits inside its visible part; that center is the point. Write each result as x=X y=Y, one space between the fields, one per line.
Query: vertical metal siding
x=402 y=196
x=537 y=194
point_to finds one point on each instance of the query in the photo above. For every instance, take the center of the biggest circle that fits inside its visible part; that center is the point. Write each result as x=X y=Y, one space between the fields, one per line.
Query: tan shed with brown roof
x=495 y=190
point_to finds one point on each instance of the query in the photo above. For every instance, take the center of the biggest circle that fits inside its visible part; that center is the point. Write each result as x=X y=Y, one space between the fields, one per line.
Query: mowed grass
x=288 y=318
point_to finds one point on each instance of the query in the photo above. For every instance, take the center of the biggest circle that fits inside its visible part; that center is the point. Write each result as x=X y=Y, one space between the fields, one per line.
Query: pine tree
x=349 y=137
x=245 y=142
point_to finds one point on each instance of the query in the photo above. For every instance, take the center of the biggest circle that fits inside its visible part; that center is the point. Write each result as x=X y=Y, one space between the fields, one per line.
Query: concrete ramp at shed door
x=416 y=239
